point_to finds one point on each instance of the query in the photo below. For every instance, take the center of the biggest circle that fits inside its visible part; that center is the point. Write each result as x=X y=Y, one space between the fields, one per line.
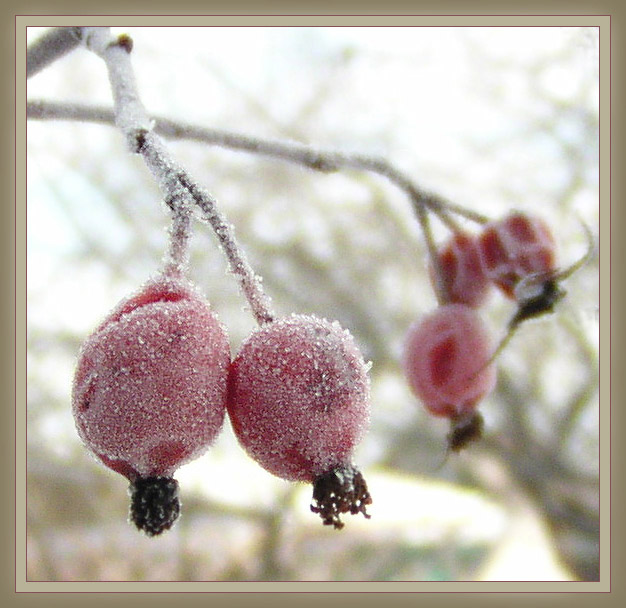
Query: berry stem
x=445 y=218
x=441 y=291
x=250 y=283
x=177 y=257
x=567 y=272
x=176 y=183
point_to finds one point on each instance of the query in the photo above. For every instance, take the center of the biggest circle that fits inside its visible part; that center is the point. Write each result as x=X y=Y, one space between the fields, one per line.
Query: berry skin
x=298 y=402
x=445 y=361
x=149 y=392
x=464 y=279
x=516 y=247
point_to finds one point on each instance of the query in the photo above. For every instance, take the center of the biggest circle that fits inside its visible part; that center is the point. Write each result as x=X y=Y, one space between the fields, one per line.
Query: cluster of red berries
x=448 y=358
x=155 y=379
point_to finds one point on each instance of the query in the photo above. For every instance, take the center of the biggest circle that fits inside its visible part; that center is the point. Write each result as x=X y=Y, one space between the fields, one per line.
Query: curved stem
x=441 y=291
x=177 y=257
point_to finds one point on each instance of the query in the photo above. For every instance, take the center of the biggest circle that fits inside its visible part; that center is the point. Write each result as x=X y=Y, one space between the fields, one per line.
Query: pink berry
x=149 y=392
x=298 y=402
x=515 y=247
x=446 y=362
x=464 y=280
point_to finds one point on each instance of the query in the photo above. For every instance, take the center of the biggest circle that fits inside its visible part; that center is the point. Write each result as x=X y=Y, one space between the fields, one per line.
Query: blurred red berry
x=515 y=247
x=464 y=280
x=149 y=392
x=446 y=362
x=298 y=402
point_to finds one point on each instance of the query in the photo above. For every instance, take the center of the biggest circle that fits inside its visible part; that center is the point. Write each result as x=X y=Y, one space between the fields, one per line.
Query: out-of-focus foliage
x=490 y=118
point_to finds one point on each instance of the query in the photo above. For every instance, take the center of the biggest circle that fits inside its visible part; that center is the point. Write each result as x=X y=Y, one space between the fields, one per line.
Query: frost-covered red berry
x=514 y=247
x=298 y=402
x=464 y=280
x=149 y=392
x=446 y=364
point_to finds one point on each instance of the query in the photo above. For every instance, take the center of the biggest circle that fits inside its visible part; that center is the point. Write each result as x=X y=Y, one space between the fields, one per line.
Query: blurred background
x=492 y=119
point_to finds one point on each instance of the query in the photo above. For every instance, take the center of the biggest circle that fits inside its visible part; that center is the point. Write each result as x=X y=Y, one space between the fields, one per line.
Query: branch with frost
x=53 y=45
x=178 y=187
x=307 y=156
x=141 y=134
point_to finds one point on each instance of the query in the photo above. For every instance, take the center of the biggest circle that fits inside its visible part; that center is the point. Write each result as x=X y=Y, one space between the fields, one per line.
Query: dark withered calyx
x=537 y=305
x=154 y=504
x=464 y=430
x=341 y=490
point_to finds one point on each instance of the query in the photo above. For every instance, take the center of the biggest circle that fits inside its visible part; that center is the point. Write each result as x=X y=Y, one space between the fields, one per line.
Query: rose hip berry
x=445 y=362
x=464 y=280
x=149 y=392
x=298 y=402
x=514 y=247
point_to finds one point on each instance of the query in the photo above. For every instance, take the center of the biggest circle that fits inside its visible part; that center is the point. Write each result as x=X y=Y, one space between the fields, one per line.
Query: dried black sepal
x=154 y=505
x=464 y=430
x=341 y=490
x=538 y=304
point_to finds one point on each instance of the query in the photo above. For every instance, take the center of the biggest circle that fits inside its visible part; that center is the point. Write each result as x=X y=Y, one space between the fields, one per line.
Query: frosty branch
x=50 y=47
x=130 y=116
x=143 y=137
x=178 y=186
x=307 y=156
x=312 y=158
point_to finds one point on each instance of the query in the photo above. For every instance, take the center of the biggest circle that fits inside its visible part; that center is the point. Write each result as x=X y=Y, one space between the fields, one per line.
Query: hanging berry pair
x=150 y=392
x=446 y=353
x=154 y=380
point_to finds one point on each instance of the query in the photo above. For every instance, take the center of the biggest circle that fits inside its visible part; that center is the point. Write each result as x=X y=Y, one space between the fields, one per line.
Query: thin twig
x=307 y=156
x=51 y=46
x=441 y=290
x=177 y=257
x=445 y=217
